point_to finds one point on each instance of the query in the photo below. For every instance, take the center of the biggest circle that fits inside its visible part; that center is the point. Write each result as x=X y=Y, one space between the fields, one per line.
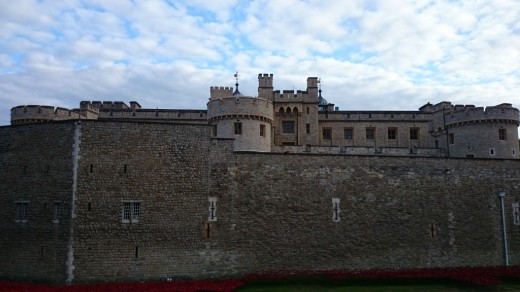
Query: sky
x=369 y=55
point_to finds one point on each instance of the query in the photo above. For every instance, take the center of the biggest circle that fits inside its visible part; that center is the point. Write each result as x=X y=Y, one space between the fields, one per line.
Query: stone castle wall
x=274 y=211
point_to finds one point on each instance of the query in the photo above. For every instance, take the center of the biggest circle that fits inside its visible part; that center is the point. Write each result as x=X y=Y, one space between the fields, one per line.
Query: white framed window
x=212 y=209
x=335 y=210
x=22 y=211
x=131 y=212
x=56 y=210
x=516 y=214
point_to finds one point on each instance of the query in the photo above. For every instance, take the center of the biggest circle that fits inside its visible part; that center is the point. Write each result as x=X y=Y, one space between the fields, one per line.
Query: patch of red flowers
x=473 y=275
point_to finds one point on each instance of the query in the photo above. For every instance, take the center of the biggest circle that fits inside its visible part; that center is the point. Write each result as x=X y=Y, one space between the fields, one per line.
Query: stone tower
x=246 y=119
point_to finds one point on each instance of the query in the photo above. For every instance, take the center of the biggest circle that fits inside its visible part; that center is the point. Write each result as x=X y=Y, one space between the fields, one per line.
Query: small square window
x=327 y=133
x=392 y=133
x=131 y=212
x=414 y=133
x=288 y=127
x=348 y=133
x=370 y=133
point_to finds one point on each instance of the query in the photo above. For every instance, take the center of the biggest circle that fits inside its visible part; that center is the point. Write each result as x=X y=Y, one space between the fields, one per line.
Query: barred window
x=288 y=127
x=131 y=212
x=502 y=134
x=238 y=128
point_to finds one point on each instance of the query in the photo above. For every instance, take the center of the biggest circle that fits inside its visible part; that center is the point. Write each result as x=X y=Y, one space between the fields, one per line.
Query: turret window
x=502 y=134
x=262 y=130
x=238 y=128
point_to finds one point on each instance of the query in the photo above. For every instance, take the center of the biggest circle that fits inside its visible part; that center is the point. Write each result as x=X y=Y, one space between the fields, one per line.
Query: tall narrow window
x=262 y=130
x=516 y=214
x=502 y=134
x=238 y=128
x=335 y=210
x=56 y=212
x=22 y=211
x=214 y=131
x=131 y=212
x=212 y=209
x=307 y=128
x=451 y=139
x=414 y=133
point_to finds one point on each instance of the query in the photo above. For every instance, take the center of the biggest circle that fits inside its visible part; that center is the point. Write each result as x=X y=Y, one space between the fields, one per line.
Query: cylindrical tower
x=246 y=119
x=477 y=133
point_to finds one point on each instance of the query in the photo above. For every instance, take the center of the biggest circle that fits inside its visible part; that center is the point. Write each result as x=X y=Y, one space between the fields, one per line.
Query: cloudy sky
x=373 y=55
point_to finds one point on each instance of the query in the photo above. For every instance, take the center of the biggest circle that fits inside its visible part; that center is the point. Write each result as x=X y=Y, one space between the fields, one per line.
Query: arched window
x=282 y=111
x=295 y=110
x=288 y=110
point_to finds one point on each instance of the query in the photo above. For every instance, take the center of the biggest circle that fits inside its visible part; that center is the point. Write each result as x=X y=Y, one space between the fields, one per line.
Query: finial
x=236 y=93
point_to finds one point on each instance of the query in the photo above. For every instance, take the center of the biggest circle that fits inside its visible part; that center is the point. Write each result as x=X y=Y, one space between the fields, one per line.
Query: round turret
x=490 y=133
x=29 y=114
x=246 y=119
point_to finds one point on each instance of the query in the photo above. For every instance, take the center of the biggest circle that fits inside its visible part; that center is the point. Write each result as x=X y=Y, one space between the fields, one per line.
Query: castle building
x=280 y=181
x=303 y=121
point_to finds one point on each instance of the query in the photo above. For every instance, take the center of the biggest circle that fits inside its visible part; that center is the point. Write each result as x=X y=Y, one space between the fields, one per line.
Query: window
x=502 y=134
x=56 y=212
x=516 y=214
x=131 y=212
x=414 y=134
x=307 y=110
x=262 y=130
x=307 y=128
x=212 y=209
x=392 y=133
x=451 y=139
x=348 y=133
x=370 y=133
x=288 y=127
x=238 y=128
x=215 y=130
x=22 y=211
x=327 y=133
x=492 y=151
x=335 y=210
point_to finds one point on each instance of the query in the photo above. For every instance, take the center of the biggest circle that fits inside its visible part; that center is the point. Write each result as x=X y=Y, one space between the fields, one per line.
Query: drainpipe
x=504 y=235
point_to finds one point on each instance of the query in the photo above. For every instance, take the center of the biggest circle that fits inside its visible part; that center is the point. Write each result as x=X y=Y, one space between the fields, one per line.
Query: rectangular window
x=327 y=133
x=392 y=133
x=451 y=139
x=214 y=131
x=238 y=128
x=262 y=130
x=212 y=209
x=414 y=133
x=22 y=211
x=288 y=127
x=335 y=210
x=516 y=214
x=348 y=133
x=502 y=134
x=370 y=133
x=131 y=212
x=307 y=128
x=56 y=212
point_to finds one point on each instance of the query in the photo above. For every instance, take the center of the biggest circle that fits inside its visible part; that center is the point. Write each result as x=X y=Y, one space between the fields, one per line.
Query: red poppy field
x=476 y=276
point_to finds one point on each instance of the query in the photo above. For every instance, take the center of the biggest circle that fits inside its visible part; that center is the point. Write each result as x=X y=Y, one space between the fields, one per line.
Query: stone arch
x=288 y=110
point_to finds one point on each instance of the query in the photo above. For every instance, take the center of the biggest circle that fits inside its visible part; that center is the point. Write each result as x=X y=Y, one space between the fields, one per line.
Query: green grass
x=322 y=284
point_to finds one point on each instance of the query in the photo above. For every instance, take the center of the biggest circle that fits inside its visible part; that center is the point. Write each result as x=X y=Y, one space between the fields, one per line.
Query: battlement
x=504 y=112
x=244 y=106
x=28 y=114
x=265 y=80
x=218 y=92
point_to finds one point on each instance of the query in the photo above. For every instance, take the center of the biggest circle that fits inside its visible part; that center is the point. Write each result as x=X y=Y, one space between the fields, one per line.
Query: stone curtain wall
x=35 y=167
x=273 y=211
x=395 y=212
x=163 y=167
